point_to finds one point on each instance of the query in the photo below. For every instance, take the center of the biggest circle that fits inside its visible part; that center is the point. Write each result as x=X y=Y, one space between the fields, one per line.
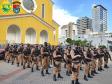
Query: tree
x=102 y=46
x=69 y=41
x=77 y=42
x=84 y=43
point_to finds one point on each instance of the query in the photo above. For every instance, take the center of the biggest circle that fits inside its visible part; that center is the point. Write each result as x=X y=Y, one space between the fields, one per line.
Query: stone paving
x=11 y=74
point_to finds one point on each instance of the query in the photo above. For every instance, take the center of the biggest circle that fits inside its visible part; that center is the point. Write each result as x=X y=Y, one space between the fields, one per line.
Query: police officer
x=35 y=53
x=75 y=54
x=44 y=56
x=94 y=61
x=57 y=59
x=68 y=60
x=10 y=53
x=100 y=59
x=106 y=57
x=88 y=64
x=27 y=56
x=15 y=53
x=20 y=54
x=6 y=52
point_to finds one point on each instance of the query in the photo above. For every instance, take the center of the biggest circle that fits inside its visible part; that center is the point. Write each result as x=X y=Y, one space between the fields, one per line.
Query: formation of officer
x=90 y=59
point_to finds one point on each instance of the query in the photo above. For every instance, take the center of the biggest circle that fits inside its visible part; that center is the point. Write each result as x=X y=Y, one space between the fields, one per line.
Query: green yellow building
x=27 y=21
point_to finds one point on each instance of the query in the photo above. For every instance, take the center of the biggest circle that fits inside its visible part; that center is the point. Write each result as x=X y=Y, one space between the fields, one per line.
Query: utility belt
x=100 y=56
x=34 y=58
x=56 y=63
x=76 y=59
x=14 y=55
x=36 y=54
x=69 y=56
x=27 y=55
x=10 y=52
x=68 y=61
x=45 y=55
x=76 y=62
x=58 y=59
x=88 y=60
x=20 y=52
x=74 y=68
x=95 y=57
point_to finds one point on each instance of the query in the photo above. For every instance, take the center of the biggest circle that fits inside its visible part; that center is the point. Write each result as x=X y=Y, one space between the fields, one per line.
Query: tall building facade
x=84 y=24
x=99 y=16
x=27 y=21
x=69 y=30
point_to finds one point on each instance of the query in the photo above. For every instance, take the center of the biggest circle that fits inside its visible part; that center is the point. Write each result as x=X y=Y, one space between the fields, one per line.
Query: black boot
x=101 y=69
x=47 y=72
x=67 y=73
x=8 y=61
x=81 y=68
x=37 y=68
x=23 y=66
x=31 y=69
x=54 y=78
x=59 y=76
x=70 y=72
x=42 y=73
x=22 y=63
x=89 y=76
x=92 y=73
x=95 y=72
x=77 y=82
x=17 y=64
x=28 y=66
x=12 y=63
x=49 y=66
x=105 y=66
x=85 y=78
x=72 y=82
x=64 y=65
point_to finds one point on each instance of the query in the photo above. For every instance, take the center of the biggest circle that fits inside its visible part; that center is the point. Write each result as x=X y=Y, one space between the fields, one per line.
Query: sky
x=65 y=11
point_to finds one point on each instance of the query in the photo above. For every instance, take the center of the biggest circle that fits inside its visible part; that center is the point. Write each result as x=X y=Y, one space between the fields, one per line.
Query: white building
x=97 y=39
x=99 y=16
x=84 y=24
x=69 y=30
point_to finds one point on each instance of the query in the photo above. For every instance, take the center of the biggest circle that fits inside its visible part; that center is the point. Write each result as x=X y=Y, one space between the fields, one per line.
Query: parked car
x=2 y=53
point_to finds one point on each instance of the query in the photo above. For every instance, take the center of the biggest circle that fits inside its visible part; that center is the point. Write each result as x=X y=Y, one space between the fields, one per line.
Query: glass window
x=66 y=32
x=73 y=32
x=43 y=10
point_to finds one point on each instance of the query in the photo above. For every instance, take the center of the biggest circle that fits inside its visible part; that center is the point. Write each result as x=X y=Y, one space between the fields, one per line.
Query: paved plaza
x=11 y=74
